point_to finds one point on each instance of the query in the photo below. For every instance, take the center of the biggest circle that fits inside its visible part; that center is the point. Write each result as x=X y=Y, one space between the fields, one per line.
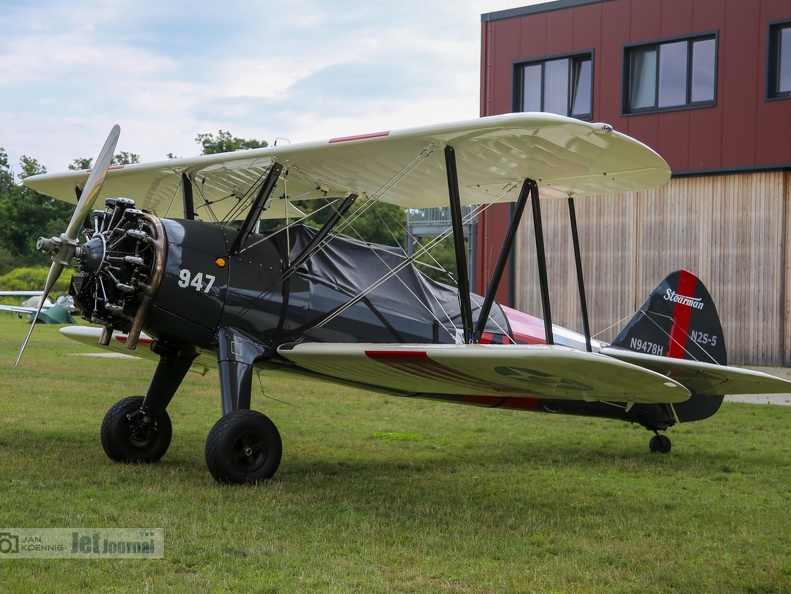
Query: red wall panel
x=742 y=131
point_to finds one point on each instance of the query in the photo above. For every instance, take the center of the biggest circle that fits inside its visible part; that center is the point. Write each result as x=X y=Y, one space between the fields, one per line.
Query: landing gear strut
x=138 y=429
x=244 y=446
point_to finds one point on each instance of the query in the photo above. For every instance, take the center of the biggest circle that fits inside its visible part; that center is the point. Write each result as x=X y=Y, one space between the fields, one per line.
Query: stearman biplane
x=162 y=271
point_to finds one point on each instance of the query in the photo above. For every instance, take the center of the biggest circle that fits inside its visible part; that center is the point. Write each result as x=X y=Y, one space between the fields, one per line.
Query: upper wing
x=494 y=155
x=532 y=371
x=705 y=378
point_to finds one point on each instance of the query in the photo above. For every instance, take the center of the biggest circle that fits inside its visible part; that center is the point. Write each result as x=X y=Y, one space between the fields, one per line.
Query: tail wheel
x=659 y=444
x=243 y=447
x=127 y=436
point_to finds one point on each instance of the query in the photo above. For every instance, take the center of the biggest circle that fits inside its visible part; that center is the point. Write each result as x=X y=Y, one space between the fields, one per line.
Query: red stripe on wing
x=359 y=137
x=419 y=364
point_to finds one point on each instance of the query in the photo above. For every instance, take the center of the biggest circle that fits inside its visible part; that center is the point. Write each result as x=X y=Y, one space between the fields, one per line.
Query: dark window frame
x=630 y=49
x=518 y=80
x=772 y=60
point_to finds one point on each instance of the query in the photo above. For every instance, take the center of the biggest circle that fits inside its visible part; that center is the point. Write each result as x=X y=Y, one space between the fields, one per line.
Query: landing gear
x=659 y=444
x=244 y=446
x=128 y=435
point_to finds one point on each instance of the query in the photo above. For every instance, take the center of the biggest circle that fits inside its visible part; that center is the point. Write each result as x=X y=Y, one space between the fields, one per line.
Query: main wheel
x=243 y=447
x=126 y=437
x=659 y=444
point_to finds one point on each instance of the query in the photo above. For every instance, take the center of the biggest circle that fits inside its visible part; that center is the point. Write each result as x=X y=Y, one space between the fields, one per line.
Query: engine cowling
x=120 y=268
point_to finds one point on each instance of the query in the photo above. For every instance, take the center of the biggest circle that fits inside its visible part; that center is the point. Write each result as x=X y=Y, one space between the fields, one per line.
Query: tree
x=122 y=158
x=380 y=222
x=26 y=215
x=223 y=142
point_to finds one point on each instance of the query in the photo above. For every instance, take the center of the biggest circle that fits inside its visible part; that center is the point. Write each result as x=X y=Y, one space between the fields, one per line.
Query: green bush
x=33 y=279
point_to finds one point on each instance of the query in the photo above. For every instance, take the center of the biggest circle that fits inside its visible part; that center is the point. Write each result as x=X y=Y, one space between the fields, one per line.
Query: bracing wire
x=348 y=223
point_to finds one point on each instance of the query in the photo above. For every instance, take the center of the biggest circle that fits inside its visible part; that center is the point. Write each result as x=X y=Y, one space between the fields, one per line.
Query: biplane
x=175 y=267
x=31 y=304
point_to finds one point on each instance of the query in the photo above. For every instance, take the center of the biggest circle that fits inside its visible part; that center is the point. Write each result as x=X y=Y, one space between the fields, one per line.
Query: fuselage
x=179 y=281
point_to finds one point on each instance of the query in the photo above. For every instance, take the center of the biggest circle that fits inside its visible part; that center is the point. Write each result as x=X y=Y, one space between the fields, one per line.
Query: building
x=707 y=84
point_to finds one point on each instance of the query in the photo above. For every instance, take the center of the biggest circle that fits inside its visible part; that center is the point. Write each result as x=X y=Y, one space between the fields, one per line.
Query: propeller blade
x=84 y=207
x=52 y=277
x=94 y=184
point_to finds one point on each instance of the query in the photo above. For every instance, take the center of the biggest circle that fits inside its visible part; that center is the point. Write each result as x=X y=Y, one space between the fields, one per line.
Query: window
x=779 y=54
x=562 y=85
x=668 y=75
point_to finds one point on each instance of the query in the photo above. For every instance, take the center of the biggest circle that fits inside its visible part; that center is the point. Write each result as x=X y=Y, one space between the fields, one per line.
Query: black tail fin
x=677 y=320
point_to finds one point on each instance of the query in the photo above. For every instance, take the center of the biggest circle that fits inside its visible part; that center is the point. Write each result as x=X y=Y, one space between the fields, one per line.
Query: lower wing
x=539 y=371
x=536 y=371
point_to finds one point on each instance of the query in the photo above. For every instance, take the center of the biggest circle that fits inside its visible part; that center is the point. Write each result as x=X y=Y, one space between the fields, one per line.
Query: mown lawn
x=380 y=494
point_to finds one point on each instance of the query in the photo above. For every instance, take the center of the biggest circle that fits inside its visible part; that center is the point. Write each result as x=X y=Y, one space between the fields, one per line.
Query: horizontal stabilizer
x=532 y=371
x=705 y=378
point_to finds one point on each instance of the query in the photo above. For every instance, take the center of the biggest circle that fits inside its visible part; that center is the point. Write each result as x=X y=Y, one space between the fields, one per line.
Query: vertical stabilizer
x=678 y=320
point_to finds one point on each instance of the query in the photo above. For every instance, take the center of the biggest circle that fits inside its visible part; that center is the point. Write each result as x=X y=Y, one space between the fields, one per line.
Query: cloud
x=304 y=70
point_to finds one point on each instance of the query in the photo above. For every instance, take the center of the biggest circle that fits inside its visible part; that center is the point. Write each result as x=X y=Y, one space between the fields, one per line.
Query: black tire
x=134 y=441
x=243 y=447
x=659 y=444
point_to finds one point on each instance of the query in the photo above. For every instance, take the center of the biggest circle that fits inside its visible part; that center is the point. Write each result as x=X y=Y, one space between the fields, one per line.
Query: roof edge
x=509 y=13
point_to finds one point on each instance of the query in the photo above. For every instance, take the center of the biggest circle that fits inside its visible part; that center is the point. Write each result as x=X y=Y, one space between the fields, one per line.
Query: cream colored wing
x=532 y=371
x=406 y=167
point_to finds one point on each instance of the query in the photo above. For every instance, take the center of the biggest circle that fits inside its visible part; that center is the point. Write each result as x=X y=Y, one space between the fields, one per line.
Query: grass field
x=379 y=494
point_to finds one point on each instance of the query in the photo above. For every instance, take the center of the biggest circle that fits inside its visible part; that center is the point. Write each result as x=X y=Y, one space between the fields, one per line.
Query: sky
x=292 y=71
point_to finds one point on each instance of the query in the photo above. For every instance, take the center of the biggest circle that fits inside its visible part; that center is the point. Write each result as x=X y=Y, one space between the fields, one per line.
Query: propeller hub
x=60 y=249
x=91 y=254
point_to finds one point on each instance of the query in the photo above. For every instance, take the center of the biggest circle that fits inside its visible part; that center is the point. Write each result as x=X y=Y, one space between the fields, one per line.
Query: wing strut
x=542 y=264
x=259 y=205
x=458 y=243
x=580 y=281
x=187 y=197
x=319 y=237
x=502 y=260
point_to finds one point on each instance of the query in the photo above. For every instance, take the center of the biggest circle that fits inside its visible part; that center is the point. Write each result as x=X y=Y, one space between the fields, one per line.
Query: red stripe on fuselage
x=681 y=316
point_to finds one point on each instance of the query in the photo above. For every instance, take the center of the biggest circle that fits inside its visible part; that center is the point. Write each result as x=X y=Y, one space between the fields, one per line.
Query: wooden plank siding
x=730 y=230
